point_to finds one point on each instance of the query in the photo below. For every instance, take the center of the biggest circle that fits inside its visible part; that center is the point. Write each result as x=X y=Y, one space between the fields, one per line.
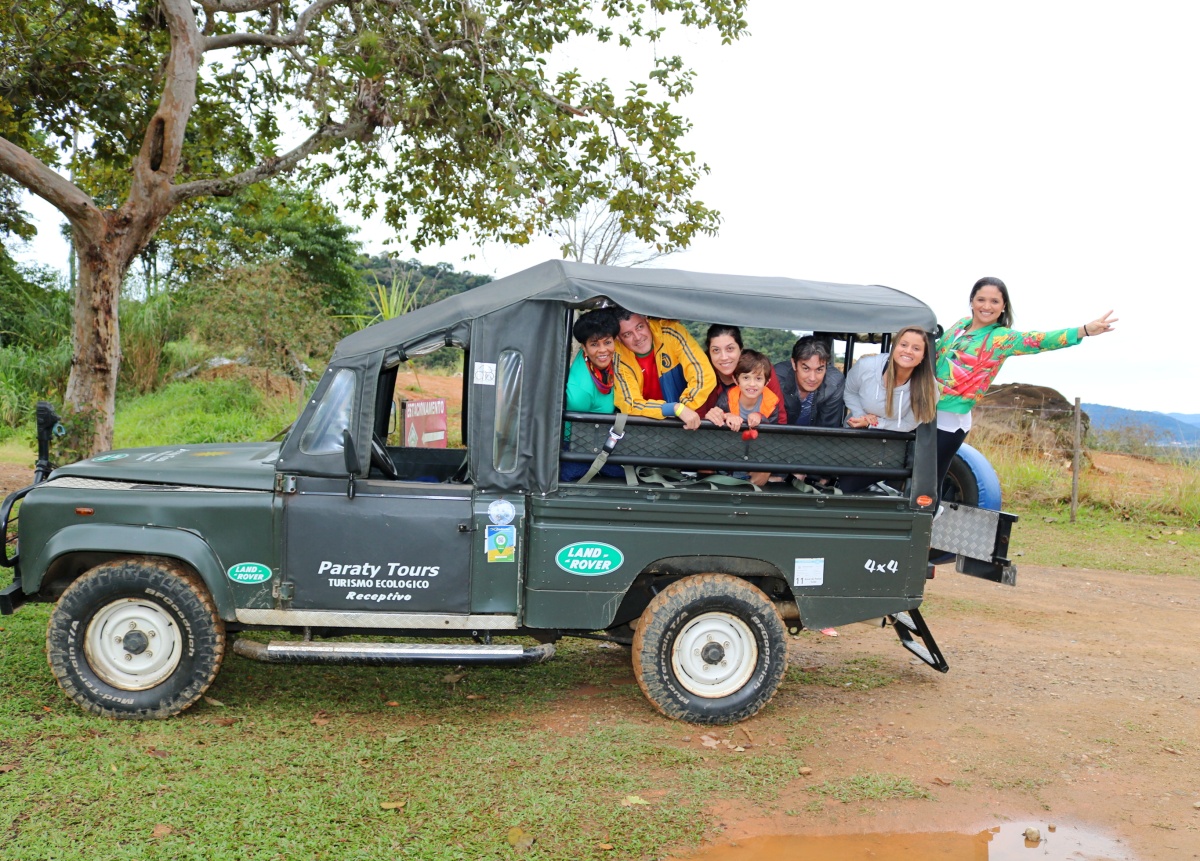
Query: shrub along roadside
x=25 y=371
x=231 y=409
x=272 y=313
x=1030 y=479
x=147 y=326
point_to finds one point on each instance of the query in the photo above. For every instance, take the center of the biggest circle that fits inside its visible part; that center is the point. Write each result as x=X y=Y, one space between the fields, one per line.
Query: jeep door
x=398 y=546
x=370 y=544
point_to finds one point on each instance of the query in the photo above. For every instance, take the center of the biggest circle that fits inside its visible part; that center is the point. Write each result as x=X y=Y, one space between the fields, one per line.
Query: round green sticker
x=249 y=572
x=589 y=558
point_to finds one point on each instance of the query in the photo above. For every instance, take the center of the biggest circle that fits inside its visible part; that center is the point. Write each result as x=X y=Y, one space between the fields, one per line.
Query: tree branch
x=271 y=40
x=566 y=107
x=235 y=7
x=296 y=38
x=426 y=36
x=59 y=192
x=228 y=185
x=162 y=143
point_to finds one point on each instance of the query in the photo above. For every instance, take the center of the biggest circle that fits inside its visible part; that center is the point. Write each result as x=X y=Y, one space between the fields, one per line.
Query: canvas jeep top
x=159 y=558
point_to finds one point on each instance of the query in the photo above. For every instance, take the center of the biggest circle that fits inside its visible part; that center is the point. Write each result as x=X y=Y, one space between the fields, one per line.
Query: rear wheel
x=710 y=649
x=135 y=639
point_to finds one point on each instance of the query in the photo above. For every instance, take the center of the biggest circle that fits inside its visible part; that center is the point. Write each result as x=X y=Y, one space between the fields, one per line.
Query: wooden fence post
x=1075 y=464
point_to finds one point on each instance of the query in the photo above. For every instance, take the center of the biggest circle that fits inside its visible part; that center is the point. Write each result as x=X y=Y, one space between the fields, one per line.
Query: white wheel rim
x=714 y=655
x=132 y=644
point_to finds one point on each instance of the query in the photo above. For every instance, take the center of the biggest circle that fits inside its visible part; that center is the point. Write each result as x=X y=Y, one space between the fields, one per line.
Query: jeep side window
x=324 y=432
x=506 y=437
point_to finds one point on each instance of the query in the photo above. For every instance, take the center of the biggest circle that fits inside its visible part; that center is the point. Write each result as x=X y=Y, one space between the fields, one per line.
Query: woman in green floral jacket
x=971 y=352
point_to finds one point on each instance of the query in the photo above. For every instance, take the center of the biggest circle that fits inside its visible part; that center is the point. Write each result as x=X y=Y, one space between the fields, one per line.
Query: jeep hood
x=242 y=466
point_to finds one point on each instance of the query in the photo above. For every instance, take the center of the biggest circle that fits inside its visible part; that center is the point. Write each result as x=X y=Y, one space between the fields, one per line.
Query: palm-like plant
x=389 y=301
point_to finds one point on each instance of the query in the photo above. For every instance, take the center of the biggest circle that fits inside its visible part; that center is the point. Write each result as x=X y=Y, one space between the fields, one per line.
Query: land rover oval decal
x=589 y=558
x=249 y=572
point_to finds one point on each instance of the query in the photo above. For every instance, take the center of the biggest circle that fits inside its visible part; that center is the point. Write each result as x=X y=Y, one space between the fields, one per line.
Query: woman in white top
x=891 y=391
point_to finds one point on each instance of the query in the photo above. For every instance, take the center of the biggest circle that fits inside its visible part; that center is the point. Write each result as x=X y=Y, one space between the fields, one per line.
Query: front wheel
x=135 y=639
x=710 y=649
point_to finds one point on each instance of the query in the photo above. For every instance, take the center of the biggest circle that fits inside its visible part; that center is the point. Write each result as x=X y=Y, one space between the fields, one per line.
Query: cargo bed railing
x=778 y=448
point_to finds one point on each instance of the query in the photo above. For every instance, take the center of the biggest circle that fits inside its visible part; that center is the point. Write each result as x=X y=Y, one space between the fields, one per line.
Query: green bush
x=273 y=313
x=30 y=374
x=36 y=310
x=184 y=354
x=445 y=360
x=147 y=326
x=35 y=341
x=227 y=410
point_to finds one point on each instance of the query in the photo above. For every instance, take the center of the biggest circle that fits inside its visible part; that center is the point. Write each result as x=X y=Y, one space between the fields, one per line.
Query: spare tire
x=971 y=480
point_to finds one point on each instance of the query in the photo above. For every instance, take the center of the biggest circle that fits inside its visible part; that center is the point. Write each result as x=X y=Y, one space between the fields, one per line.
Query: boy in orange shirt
x=750 y=401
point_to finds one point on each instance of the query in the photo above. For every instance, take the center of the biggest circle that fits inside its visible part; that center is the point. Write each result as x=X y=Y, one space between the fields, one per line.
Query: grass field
x=1099 y=539
x=361 y=763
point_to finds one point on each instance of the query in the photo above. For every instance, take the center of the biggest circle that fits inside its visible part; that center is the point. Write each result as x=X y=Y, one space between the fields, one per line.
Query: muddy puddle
x=1007 y=842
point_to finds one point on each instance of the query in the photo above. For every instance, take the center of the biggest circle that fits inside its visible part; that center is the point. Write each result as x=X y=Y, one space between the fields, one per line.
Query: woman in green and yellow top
x=971 y=352
x=590 y=380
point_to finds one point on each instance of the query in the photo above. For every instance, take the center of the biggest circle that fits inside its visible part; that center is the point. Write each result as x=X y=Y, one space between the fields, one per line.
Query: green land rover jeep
x=157 y=558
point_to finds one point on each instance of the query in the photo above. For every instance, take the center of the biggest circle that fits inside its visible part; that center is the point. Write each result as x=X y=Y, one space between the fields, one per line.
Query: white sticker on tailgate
x=809 y=572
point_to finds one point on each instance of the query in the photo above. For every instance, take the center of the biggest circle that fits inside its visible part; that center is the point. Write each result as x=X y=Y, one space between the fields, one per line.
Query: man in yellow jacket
x=662 y=371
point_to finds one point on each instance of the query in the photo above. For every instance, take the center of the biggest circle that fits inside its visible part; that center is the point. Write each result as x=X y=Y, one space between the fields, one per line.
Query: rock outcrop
x=1030 y=416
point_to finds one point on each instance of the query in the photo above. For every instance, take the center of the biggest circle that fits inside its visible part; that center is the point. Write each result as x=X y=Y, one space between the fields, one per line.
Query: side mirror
x=351 y=455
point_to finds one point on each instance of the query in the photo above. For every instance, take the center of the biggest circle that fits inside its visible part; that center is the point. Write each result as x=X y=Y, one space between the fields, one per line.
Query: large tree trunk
x=96 y=347
x=106 y=247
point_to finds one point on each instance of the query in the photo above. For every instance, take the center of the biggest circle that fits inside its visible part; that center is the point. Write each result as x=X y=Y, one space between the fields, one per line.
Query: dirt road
x=1072 y=698
x=13 y=476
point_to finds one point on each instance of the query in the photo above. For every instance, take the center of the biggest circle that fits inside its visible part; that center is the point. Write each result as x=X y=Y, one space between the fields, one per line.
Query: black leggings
x=948 y=444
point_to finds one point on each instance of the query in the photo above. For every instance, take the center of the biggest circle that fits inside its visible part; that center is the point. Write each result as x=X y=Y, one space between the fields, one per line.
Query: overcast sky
x=923 y=145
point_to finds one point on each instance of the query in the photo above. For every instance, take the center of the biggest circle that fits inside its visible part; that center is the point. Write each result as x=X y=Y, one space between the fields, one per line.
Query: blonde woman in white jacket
x=891 y=391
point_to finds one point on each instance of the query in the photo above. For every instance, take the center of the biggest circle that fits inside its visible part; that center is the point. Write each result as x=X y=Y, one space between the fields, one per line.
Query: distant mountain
x=1193 y=419
x=1168 y=430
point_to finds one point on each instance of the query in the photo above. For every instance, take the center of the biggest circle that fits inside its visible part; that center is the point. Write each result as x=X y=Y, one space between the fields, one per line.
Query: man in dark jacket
x=812 y=386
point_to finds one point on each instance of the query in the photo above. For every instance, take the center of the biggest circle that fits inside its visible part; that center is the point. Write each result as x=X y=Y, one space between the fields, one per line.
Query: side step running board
x=390 y=654
x=910 y=626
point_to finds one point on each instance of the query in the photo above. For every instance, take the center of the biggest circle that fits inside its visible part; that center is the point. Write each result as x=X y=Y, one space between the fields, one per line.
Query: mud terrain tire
x=135 y=639
x=710 y=649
